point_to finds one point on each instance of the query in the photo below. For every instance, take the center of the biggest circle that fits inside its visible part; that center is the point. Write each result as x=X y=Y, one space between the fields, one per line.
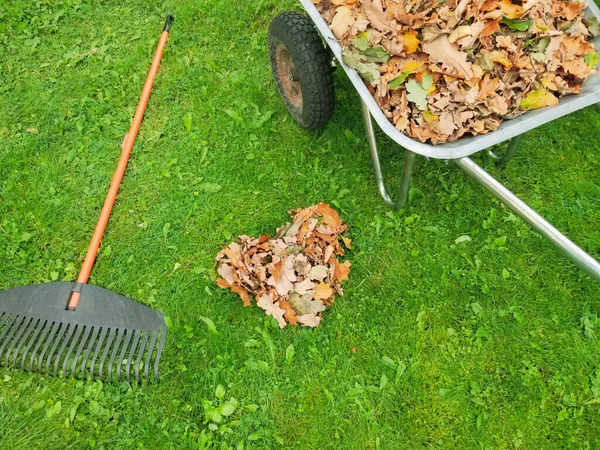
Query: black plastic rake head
x=108 y=336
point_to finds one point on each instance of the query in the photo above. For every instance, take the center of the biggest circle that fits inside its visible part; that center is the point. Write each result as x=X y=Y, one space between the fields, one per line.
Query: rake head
x=108 y=336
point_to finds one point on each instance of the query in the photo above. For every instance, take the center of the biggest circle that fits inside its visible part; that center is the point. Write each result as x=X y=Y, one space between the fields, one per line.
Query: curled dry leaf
x=491 y=60
x=294 y=275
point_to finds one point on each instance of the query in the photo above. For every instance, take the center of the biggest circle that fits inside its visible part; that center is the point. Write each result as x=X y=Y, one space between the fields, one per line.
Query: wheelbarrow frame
x=458 y=152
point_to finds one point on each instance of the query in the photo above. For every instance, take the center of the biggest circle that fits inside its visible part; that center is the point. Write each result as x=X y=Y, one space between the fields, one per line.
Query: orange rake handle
x=127 y=146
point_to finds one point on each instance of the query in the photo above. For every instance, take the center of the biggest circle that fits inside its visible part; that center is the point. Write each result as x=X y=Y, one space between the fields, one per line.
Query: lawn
x=488 y=343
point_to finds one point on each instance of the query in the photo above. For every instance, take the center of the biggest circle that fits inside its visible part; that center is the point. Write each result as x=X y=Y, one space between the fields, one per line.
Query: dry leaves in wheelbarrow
x=294 y=275
x=442 y=69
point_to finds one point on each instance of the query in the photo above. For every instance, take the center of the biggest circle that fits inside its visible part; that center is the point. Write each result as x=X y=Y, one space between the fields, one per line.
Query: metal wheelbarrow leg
x=579 y=257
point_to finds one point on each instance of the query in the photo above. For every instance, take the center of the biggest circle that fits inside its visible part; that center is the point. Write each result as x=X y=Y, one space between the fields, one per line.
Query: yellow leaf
x=538 y=99
x=510 y=10
x=429 y=117
x=411 y=42
x=501 y=57
x=412 y=66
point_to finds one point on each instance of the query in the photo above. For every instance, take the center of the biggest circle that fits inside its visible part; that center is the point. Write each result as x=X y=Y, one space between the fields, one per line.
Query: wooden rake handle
x=128 y=143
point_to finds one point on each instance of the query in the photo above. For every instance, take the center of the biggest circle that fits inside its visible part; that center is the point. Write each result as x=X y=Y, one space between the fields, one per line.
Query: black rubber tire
x=312 y=64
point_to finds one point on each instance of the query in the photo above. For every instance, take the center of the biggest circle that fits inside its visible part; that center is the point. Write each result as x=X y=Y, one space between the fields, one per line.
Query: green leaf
x=515 y=24
x=463 y=238
x=388 y=361
x=505 y=274
x=384 y=381
x=376 y=54
x=416 y=94
x=213 y=415
x=562 y=415
x=209 y=187
x=365 y=64
x=593 y=25
x=166 y=228
x=227 y=409
x=399 y=372
x=54 y=410
x=235 y=116
x=25 y=237
x=360 y=43
x=500 y=241
x=220 y=392
x=187 y=121
x=94 y=407
x=591 y=59
x=397 y=82
x=290 y=352
x=255 y=436
x=210 y=324
x=427 y=81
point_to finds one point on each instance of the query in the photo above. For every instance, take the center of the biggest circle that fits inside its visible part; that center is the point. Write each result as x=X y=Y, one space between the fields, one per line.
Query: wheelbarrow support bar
x=584 y=261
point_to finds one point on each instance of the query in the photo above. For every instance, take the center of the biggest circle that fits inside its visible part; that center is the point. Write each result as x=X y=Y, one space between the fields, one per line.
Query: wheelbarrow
x=302 y=50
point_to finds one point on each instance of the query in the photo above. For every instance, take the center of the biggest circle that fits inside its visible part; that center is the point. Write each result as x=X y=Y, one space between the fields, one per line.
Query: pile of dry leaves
x=441 y=69
x=294 y=275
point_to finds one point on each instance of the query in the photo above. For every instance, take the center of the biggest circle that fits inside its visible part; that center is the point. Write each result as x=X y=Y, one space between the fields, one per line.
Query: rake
x=73 y=328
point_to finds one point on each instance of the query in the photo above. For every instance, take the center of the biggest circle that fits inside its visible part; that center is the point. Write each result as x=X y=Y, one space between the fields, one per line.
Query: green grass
x=485 y=344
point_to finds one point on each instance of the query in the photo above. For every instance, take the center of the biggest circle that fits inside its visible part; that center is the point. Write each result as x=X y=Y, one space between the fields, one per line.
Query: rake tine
x=111 y=337
x=96 y=351
x=24 y=325
x=70 y=350
x=140 y=355
x=82 y=343
x=67 y=337
x=23 y=339
x=3 y=320
x=161 y=345
x=58 y=338
x=9 y=331
x=88 y=351
x=136 y=339
x=123 y=351
x=149 y=356
x=53 y=333
x=41 y=324
x=47 y=328
x=114 y=353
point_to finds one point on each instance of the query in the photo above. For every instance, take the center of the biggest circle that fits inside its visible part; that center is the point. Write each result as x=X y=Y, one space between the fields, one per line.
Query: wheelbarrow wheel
x=301 y=66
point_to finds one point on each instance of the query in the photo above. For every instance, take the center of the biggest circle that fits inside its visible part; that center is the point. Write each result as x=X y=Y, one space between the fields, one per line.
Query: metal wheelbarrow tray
x=458 y=152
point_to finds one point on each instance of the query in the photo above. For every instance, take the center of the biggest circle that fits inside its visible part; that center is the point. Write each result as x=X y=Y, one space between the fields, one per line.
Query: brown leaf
x=290 y=314
x=239 y=290
x=272 y=308
x=330 y=216
x=305 y=287
x=491 y=26
x=342 y=21
x=233 y=252
x=342 y=271
x=441 y=51
x=309 y=320
x=374 y=12
x=323 y=291
x=222 y=283
x=226 y=271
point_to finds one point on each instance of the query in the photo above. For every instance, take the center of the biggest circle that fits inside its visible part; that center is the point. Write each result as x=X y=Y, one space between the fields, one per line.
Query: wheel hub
x=290 y=81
